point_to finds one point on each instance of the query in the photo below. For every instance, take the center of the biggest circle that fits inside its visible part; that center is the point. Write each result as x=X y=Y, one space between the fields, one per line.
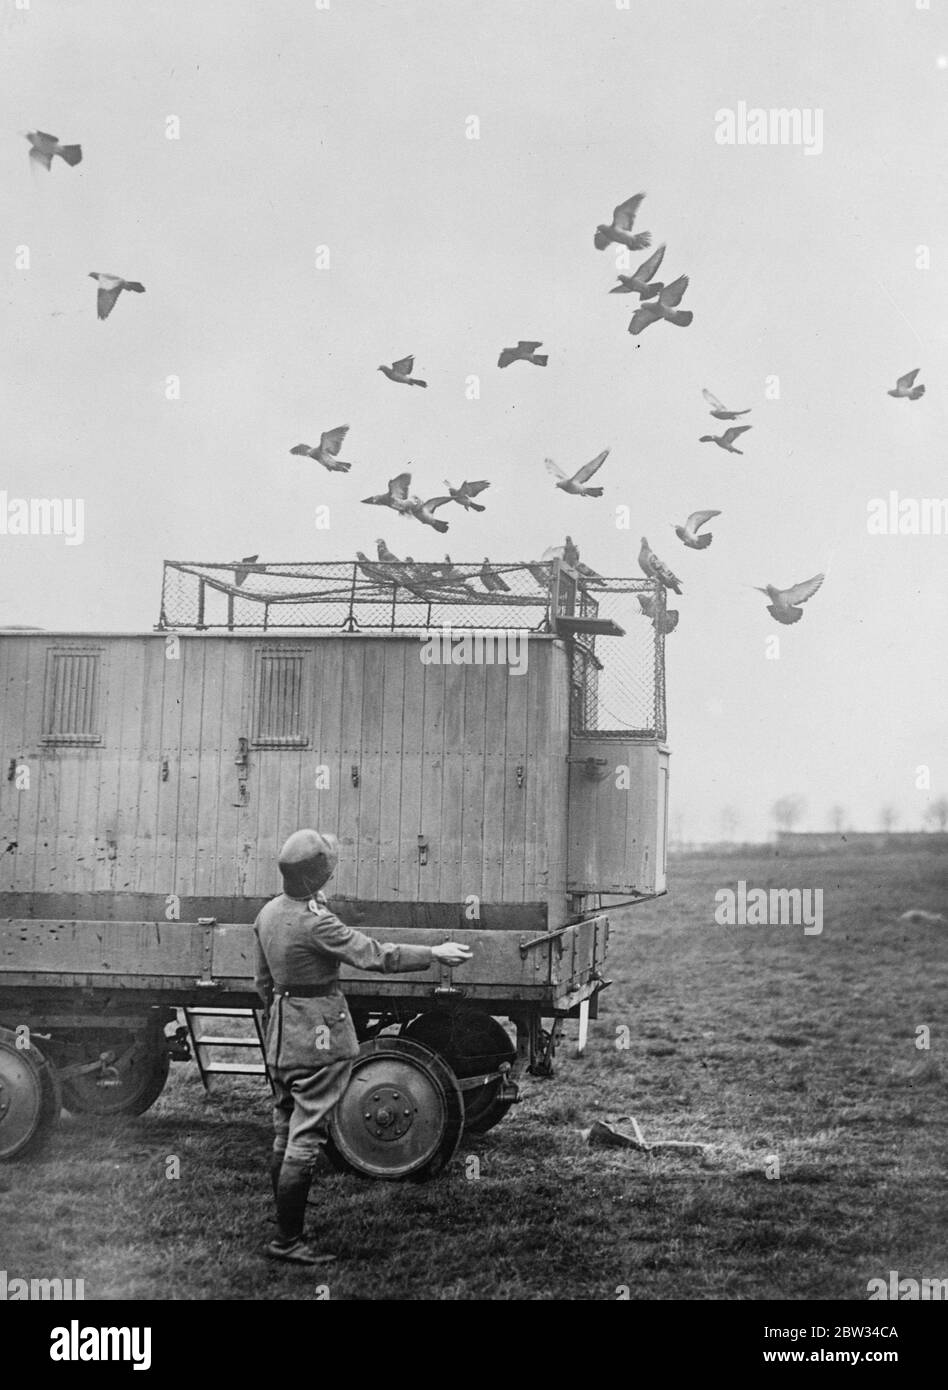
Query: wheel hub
x=389 y=1113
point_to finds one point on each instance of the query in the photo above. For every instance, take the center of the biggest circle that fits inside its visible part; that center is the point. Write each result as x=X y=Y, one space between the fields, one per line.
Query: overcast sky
x=345 y=127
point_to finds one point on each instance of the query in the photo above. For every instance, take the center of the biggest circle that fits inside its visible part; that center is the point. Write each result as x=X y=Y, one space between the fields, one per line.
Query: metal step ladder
x=203 y=1042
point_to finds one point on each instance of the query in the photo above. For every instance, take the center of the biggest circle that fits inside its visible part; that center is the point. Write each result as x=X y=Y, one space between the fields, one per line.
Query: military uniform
x=310 y=1039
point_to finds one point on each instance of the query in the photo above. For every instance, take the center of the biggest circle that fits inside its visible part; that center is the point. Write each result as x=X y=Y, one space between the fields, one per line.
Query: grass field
x=757 y=1041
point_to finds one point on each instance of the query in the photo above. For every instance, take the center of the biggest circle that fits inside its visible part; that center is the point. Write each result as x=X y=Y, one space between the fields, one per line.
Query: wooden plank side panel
x=164 y=866
x=473 y=830
x=229 y=871
x=353 y=683
x=20 y=745
x=428 y=876
x=319 y=805
x=415 y=713
x=374 y=694
x=144 y=813
x=445 y=838
x=515 y=886
x=221 y=665
x=398 y=657
x=556 y=752
x=187 y=826
x=496 y=773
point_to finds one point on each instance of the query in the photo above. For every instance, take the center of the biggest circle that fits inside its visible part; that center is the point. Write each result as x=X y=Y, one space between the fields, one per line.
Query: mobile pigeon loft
x=487 y=742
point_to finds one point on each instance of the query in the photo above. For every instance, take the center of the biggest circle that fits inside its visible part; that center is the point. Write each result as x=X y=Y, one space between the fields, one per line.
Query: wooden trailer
x=488 y=746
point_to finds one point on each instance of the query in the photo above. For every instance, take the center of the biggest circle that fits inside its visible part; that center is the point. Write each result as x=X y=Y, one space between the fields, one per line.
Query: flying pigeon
x=918 y=915
x=491 y=581
x=325 y=452
x=904 y=386
x=523 y=352
x=654 y=568
x=401 y=371
x=110 y=287
x=576 y=484
x=242 y=570
x=783 y=601
x=43 y=147
x=397 y=496
x=423 y=511
x=639 y=279
x=650 y=607
x=664 y=307
x=719 y=411
x=688 y=533
x=385 y=554
x=726 y=440
x=620 y=229
x=463 y=494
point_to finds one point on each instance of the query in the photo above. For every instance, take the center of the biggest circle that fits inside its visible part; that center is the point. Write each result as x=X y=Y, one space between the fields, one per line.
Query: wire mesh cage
x=615 y=627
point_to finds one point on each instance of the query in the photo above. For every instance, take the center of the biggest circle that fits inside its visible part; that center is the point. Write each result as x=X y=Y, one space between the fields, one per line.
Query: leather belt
x=306 y=991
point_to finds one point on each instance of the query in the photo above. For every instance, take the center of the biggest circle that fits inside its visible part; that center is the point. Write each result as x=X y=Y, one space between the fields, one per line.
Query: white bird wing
x=623 y=216
x=801 y=592
x=699 y=519
x=588 y=469
x=398 y=487
x=671 y=294
x=552 y=552
x=404 y=366
x=906 y=380
x=712 y=400
x=331 y=441
x=555 y=470
x=648 y=268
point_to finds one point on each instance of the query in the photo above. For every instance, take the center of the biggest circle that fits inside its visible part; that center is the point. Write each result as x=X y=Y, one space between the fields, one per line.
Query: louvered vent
x=278 y=700
x=71 y=706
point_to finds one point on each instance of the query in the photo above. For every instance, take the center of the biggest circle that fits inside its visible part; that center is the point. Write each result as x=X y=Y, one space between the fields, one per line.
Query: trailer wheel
x=128 y=1089
x=471 y=1043
x=401 y=1116
x=30 y=1099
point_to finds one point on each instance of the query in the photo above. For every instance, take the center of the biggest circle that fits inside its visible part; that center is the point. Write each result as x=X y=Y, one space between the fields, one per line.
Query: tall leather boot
x=293 y=1186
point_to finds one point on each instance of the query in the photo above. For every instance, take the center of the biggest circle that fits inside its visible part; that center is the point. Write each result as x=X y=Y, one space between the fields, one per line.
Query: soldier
x=310 y=1039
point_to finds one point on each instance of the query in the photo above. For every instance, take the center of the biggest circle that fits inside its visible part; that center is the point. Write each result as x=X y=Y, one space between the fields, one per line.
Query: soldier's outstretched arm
x=364 y=953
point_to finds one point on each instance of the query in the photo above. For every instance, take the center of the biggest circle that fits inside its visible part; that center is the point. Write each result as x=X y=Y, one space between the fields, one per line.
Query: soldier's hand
x=451 y=953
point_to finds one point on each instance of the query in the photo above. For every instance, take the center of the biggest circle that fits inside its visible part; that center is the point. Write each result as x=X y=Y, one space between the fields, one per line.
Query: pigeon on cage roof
x=463 y=495
x=688 y=534
x=906 y=388
x=576 y=485
x=242 y=570
x=620 y=228
x=387 y=555
x=726 y=440
x=640 y=280
x=662 y=623
x=655 y=568
x=718 y=409
x=491 y=581
x=523 y=352
x=784 y=603
x=110 y=287
x=43 y=147
x=401 y=371
x=664 y=307
x=327 y=450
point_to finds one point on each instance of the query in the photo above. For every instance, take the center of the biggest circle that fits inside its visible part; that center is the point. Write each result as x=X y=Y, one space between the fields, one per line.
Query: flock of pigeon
x=657 y=300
